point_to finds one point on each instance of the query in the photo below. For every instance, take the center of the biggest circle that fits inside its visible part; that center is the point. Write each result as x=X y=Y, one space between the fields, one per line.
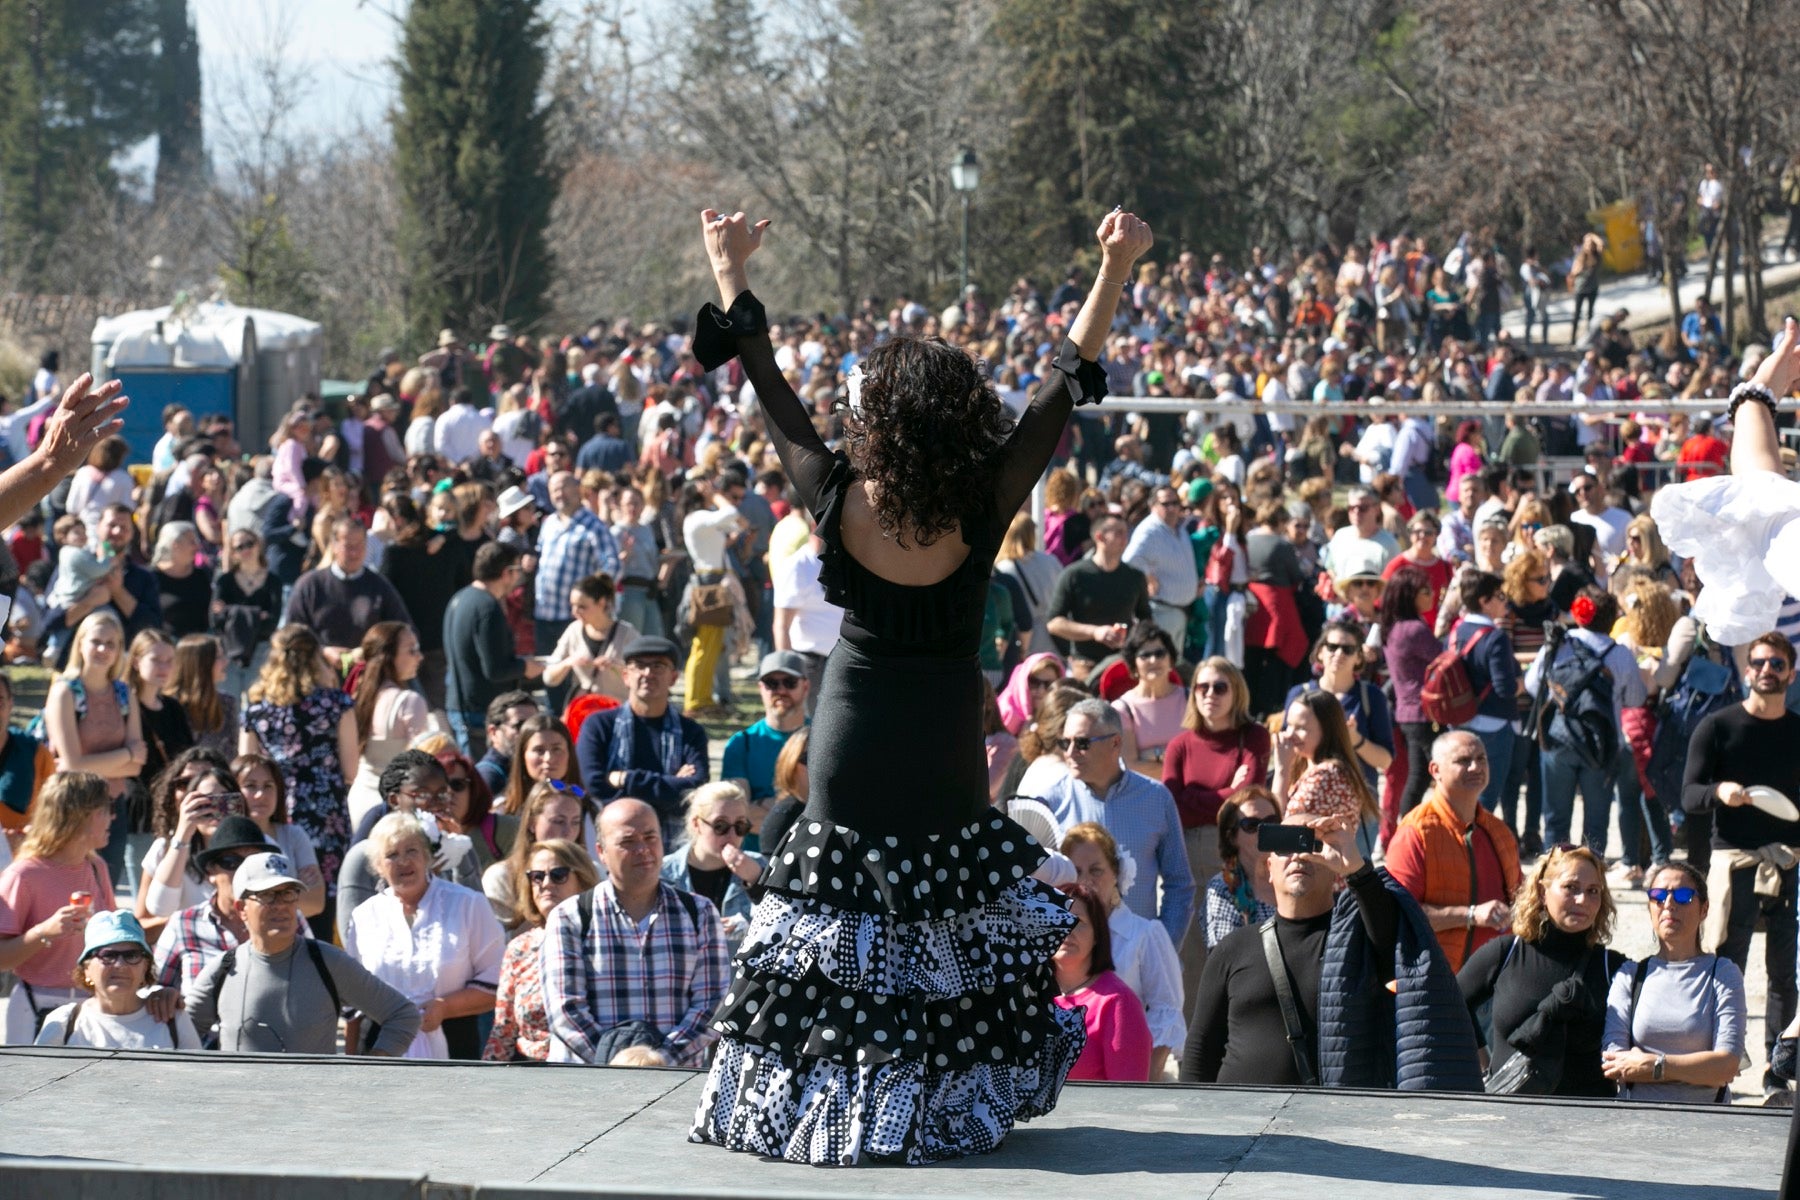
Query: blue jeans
x=1638 y=809
x=1499 y=746
x=470 y=731
x=1563 y=773
x=640 y=610
x=1524 y=774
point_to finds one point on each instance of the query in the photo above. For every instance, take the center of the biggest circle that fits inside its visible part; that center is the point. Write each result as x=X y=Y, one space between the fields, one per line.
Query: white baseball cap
x=264 y=873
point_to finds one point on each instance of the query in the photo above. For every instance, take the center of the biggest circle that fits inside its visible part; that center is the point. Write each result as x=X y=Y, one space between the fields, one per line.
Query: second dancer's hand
x=1781 y=366
x=1124 y=239
x=730 y=241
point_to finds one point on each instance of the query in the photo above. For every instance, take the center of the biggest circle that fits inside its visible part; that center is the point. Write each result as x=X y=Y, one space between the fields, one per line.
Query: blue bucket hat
x=113 y=928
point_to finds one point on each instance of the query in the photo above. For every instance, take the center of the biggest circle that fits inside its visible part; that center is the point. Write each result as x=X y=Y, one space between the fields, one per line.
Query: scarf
x=666 y=731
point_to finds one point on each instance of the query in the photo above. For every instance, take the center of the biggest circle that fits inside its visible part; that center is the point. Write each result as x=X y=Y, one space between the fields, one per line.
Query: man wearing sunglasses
x=1138 y=811
x=1752 y=875
x=750 y=754
x=196 y=937
x=1362 y=547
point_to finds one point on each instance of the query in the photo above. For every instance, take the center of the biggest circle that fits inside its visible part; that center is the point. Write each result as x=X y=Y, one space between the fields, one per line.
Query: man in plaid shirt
x=650 y=952
x=573 y=544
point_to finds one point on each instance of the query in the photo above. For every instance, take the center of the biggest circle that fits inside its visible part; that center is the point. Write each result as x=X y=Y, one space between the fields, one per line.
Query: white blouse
x=454 y=942
x=1144 y=959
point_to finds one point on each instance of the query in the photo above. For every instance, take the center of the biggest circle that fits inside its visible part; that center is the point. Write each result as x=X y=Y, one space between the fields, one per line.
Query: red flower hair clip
x=1583 y=611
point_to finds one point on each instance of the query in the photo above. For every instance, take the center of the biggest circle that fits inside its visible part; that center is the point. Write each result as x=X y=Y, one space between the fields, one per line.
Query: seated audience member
x=1675 y=1021
x=1459 y=861
x=1548 y=978
x=599 y=986
x=1241 y=893
x=437 y=942
x=115 y=968
x=1143 y=957
x=555 y=870
x=264 y=1000
x=25 y=762
x=711 y=860
x=645 y=748
x=1118 y=1035
x=413 y=782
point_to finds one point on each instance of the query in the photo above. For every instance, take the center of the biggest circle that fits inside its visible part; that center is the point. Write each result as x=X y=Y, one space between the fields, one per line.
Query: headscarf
x=1015 y=700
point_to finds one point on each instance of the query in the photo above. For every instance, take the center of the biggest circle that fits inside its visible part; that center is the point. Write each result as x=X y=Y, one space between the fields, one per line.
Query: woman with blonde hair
x=1645 y=557
x=1531 y=516
x=211 y=714
x=47 y=895
x=711 y=860
x=1647 y=615
x=92 y=720
x=1548 y=978
x=1036 y=572
x=555 y=870
x=427 y=406
x=297 y=715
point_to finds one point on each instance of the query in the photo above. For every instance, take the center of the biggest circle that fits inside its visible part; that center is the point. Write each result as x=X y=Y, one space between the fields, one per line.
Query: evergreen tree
x=180 y=144
x=471 y=154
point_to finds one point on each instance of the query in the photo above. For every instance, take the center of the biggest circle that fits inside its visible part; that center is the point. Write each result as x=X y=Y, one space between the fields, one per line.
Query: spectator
x=805 y=621
x=715 y=602
x=480 y=655
x=640 y=562
x=1159 y=549
x=298 y=716
x=246 y=607
x=455 y=435
x=606 y=450
x=101 y=482
x=1143 y=958
x=416 y=783
x=195 y=938
x=25 y=763
x=340 y=602
x=48 y=893
x=150 y=667
x=1139 y=813
x=1097 y=600
x=1409 y=645
x=1459 y=861
x=115 y=968
x=711 y=860
x=664 y=976
x=1493 y=670
x=435 y=942
x=1413 y=451
x=506 y=715
x=263 y=1002
x=1547 y=979
x=1703 y=455
x=92 y=721
x=545 y=754
x=389 y=713
x=1733 y=750
x=1317 y=772
x=265 y=800
x=573 y=545
x=426 y=568
x=1597 y=513
x=1036 y=573
x=1240 y=892
x=1118 y=1047
x=199 y=670
x=1338 y=656
x=645 y=748
x=552 y=810
x=589 y=648
x=184 y=591
x=285 y=522
x=1421 y=555
x=1361 y=547
x=172 y=876
x=1675 y=1020
x=556 y=870
x=1151 y=711
x=750 y=753
x=1031 y=682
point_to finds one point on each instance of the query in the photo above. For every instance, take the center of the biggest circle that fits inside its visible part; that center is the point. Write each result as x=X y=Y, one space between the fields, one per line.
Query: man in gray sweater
x=481 y=659
x=282 y=993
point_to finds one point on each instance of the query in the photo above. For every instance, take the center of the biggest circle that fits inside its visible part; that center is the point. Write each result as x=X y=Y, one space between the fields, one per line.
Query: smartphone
x=1286 y=839
x=229 y=804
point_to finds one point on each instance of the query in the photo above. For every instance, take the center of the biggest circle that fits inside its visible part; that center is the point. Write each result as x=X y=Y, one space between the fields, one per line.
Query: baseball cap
x=264 y=873
x=112 y=928
x=513 y=499
x=782 y=662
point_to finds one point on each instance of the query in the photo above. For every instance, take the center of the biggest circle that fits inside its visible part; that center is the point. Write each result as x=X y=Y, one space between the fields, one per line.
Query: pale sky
x=341 y=47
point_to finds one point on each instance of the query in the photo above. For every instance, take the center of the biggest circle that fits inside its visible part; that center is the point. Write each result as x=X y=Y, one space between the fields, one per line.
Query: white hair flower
x=1127 y=870
x=853 y=386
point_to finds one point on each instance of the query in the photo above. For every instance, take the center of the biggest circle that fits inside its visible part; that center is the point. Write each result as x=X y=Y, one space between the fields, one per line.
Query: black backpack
x=228 y=965
x=1580 y=718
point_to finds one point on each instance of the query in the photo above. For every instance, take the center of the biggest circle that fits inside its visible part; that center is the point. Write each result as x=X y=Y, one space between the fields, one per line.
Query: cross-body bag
x=1290 y=1011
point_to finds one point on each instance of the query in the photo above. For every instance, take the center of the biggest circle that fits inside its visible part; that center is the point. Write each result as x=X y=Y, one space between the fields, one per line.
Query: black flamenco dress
x=893 y=998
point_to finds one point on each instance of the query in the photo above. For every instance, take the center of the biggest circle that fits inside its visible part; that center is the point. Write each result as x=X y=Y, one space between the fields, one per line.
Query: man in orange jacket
x=1459 y=861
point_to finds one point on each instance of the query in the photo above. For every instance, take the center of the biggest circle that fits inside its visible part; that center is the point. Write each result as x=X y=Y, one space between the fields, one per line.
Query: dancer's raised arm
x=1077 y=377
x=741 y=330
x=1755 y=446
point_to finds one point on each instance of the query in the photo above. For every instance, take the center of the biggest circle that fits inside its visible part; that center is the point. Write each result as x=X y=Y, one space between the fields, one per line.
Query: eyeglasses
x=740 y=827
x=1775 y=664
x=280 y=897
x=1252 y=824
x=421 y=796
x=1340 y=648
x=122 y=956
x=567 y=789
x=1680 y=895
x=779 y=683
x=1081 y=745
x=553 y=875
x=1218 y=687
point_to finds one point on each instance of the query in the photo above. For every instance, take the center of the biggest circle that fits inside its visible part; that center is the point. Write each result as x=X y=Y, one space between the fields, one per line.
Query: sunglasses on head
x=1081 y=745
x=1681 y=895
x=740 y=827
x=557 y=785
x=554 y=875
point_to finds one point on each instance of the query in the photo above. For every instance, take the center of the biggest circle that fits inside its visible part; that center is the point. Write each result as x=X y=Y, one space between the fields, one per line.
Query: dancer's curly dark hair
x=931 y=429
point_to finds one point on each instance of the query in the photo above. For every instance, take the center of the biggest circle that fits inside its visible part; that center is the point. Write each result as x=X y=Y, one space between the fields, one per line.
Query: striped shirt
x=671 y=970
x=580 y=546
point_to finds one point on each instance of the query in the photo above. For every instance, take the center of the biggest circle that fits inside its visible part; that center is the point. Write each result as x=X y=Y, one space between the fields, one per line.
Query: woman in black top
x=900 y=1051
x=246 y=607
x=427 y=569
x=186 y=590
x=1548 y=979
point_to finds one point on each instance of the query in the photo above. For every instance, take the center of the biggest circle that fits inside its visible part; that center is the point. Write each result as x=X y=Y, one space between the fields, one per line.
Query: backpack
x=228 y=965
x=1706 y=686
x=1437 y=464
x=1580 y=714
x=1447 y=695
x=121 y=693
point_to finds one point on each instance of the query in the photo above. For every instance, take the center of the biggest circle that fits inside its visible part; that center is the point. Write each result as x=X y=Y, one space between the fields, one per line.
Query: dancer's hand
x=730 y=241
x=1781 y=366
x=1123 y=240
x=85 y=416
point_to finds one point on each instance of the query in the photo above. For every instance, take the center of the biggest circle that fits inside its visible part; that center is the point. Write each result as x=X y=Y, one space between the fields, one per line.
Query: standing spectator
x=455 y=435
x=102 y=481
x=750 y=753
x=506 y=715
x=1338 y=655
x=262 y=1001
x=640 y=562
x=479 y=649
x=199 y=670
x=196 y=936
x=246 y=607
x=342 y=601
x=1363 y=546
x=149 y=669
x=1412 y=458
x=1240 y=892
x=1036 y=574
x=1584 y=280
x=47 y=896
x=92 y=721
x=1152 y=710
x=1118 y=1046
x=589 y=648
x=1456 y=538
x=1711 y=198
x=265 y=799
x=574 y=544
x=1752 y=875
x=550 y=810
x=1598 y=513
x=426 y=569
x=1535 y=290
x=1459 y=861
x=382 y=449
x=805 y=621
x=635 y=961
x=296 y=714
x=1422 y=532
x=1409 y=645
x=25 y=764
x=545 y=754
x=184 y=590
x=715 y=602
x=1098 y=599
x=645 y=748
x=1160 y=550
x=1702 y=455
x=1493 y=669
x=389 y=713
x=556 y=870
x=1139 y=813
x=1317 y=773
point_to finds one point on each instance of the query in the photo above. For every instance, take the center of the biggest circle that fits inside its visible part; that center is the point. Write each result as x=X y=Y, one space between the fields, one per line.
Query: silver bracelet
x=1119 y=283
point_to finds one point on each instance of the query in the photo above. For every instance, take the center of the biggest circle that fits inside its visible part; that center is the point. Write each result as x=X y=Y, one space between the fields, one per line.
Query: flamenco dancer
x=893 y=998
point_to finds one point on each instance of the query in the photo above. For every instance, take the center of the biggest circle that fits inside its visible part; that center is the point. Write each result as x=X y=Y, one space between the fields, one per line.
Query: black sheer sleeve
x=743 y=333
x=1073 y=380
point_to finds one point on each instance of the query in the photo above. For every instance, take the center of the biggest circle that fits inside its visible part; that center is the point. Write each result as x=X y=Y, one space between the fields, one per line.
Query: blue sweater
x=1492 y=666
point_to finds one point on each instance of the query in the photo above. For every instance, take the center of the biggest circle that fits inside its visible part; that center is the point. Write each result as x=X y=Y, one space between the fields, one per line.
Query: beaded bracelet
x=1749 y=390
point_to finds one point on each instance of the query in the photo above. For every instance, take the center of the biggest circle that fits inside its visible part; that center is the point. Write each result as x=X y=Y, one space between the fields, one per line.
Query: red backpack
x=1446 y=695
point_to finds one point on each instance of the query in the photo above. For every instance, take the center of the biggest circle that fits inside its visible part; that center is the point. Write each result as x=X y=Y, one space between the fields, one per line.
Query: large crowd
x=393 y=735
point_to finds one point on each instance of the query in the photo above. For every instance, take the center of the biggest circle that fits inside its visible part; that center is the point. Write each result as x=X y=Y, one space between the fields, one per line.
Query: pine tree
x=180 y=143
x=471 y=153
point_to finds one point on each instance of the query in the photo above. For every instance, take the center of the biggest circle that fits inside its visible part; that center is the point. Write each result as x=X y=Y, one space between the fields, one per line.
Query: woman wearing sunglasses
x=1240 y=893
x=713 y=862
x=1675 y=1021
x=1152 y=710
x=1338 y=655
x=114 y=968
x=555 y=870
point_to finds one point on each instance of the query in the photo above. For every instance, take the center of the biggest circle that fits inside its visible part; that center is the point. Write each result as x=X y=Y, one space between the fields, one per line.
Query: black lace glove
x=1087 y=380
x=716 y=333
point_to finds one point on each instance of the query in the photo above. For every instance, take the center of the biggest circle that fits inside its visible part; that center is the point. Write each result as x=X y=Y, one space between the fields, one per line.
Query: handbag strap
x=1290 y=1012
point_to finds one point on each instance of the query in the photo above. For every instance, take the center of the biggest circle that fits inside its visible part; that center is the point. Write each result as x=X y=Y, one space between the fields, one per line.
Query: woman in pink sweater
x=1118 y=1034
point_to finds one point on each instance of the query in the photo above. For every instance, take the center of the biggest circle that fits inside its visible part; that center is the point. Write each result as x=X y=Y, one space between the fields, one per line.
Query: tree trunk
x=1672 y=255
x=1753 y=269
x=1728 y=235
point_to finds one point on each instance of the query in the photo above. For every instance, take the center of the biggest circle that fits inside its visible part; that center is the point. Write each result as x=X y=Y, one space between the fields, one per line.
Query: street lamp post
x=965 y=177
